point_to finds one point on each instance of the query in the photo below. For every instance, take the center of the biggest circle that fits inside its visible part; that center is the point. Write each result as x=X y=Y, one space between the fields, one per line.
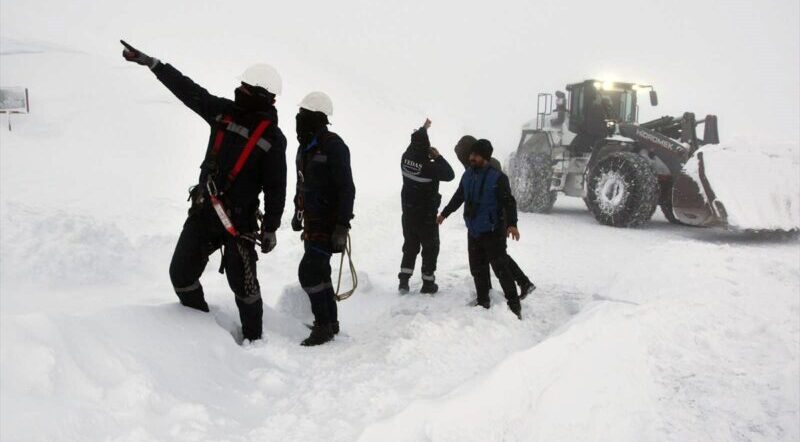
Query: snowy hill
x=657 y=333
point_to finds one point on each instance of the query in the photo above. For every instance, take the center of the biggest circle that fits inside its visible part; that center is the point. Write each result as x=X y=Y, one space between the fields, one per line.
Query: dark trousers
x=201 y=236
x=519 y=276
x=489 y=249
x=315 y=278
x=420 y=232
x=516 y=273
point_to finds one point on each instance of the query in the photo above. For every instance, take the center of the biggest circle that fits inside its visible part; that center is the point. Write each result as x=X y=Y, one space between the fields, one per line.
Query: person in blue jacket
x=490 y=214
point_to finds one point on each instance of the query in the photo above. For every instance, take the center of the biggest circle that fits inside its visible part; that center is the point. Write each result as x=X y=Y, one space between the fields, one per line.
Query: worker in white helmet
x=245 y=156
x=323 y=209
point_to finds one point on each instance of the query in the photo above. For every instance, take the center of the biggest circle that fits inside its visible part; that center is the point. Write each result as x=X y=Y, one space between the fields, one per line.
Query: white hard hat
x=265 y=76
x=318 y=102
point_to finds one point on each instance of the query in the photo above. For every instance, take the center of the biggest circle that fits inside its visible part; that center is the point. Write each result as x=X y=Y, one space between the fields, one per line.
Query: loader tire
x=623 y=190
x=531 y=173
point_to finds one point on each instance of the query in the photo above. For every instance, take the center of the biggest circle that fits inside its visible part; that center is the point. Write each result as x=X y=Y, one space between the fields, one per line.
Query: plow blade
x=737 y=190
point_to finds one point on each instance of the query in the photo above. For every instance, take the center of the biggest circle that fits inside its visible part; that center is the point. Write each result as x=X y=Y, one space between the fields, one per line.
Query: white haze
x=478 y=63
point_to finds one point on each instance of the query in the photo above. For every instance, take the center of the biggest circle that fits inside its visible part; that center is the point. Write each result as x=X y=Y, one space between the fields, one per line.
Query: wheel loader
x=590 y=145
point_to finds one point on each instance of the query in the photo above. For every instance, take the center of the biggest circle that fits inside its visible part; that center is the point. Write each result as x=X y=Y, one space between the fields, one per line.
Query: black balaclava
x=309 y=124
x=259 y=99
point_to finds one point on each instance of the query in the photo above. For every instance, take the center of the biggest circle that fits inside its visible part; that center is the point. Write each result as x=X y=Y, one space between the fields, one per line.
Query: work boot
x=526 y=289
x=478 y=303
x=403 y=286
x=193 y=300
x=320 y=334
x=251 y=335
x=516 y=309
x=429 y=287
x=334 y=326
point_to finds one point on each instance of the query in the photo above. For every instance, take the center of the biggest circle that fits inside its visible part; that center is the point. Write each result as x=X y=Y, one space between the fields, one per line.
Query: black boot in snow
x=429 y=287
x=516 y=309
x=193 y=300
x=526 y=289
x=403 y=286
x=334 y=327
x=478 y=303
x=320 y=334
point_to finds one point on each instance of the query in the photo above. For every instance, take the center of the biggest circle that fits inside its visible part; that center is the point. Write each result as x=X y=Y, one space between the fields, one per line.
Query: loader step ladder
x=559 y=179
x=544 y=107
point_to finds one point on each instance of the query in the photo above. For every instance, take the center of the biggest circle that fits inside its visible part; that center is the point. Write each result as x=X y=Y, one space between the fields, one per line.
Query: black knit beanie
x=483 y=148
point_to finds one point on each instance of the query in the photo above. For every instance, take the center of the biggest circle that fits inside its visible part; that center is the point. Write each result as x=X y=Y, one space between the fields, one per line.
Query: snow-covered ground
x=655 y=333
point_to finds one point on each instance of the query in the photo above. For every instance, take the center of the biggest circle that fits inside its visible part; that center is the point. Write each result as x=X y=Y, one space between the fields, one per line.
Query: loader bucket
x=693 y=200
x=738 y=190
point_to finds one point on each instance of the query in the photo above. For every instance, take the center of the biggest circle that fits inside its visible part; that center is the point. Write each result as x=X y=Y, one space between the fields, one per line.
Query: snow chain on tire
x=623 y=190
x=532 y=173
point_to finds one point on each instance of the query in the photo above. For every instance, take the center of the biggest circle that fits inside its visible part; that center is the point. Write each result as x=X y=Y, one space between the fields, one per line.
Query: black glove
x=297 y=223
x=268 y=241
x=339 y=238
x=136 y=56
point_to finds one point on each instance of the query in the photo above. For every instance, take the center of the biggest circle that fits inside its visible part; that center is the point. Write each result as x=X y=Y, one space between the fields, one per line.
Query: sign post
x=14 y=100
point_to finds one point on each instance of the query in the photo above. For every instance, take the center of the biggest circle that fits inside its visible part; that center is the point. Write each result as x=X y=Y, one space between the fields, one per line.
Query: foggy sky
x=479 y=64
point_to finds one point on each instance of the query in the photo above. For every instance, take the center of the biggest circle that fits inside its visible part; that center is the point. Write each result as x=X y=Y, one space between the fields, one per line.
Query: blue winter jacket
x=489 y=205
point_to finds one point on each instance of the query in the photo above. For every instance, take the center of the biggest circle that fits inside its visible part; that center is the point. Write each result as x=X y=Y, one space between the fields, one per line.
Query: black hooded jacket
x=325 y=189
x=265 y=169
x=421 y=176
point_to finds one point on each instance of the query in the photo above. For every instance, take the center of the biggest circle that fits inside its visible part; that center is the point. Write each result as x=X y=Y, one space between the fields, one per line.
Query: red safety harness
x=213 y=194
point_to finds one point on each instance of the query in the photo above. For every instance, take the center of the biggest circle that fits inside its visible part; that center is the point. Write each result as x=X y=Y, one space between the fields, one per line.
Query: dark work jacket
x=489 y=211
x=325 y=189
x=421 y=176
x=265 y=169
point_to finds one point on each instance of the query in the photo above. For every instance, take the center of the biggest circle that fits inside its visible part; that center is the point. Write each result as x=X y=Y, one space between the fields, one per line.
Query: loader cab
x=617 y=99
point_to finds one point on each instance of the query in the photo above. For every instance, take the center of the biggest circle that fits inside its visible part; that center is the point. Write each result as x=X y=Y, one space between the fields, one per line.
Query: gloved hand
x=297 y=223
x=268 y=241
x=339 y=238
x=136 y=56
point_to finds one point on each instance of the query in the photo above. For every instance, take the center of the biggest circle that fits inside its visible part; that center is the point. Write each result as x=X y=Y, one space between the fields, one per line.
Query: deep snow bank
x=686 y=358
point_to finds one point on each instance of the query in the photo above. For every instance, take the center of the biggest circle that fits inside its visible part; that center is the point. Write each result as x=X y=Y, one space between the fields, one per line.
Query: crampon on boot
x=320 y=334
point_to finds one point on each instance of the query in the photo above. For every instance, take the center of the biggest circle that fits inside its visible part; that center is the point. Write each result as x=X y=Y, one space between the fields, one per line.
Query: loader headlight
x=598 y=85
x=608 y=85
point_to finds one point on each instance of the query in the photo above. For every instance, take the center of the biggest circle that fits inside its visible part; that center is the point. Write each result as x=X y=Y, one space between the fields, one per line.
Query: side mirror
x=710 y=131
x=653 y=98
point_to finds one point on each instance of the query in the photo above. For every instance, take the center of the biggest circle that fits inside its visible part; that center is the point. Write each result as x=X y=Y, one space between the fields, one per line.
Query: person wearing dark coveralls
x=422 y=168
x=245 y=156
x=323 y=209
x=490 y=214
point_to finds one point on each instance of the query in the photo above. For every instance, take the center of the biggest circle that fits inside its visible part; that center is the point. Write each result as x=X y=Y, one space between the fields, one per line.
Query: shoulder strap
x=248 y=149
x=226 y=119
